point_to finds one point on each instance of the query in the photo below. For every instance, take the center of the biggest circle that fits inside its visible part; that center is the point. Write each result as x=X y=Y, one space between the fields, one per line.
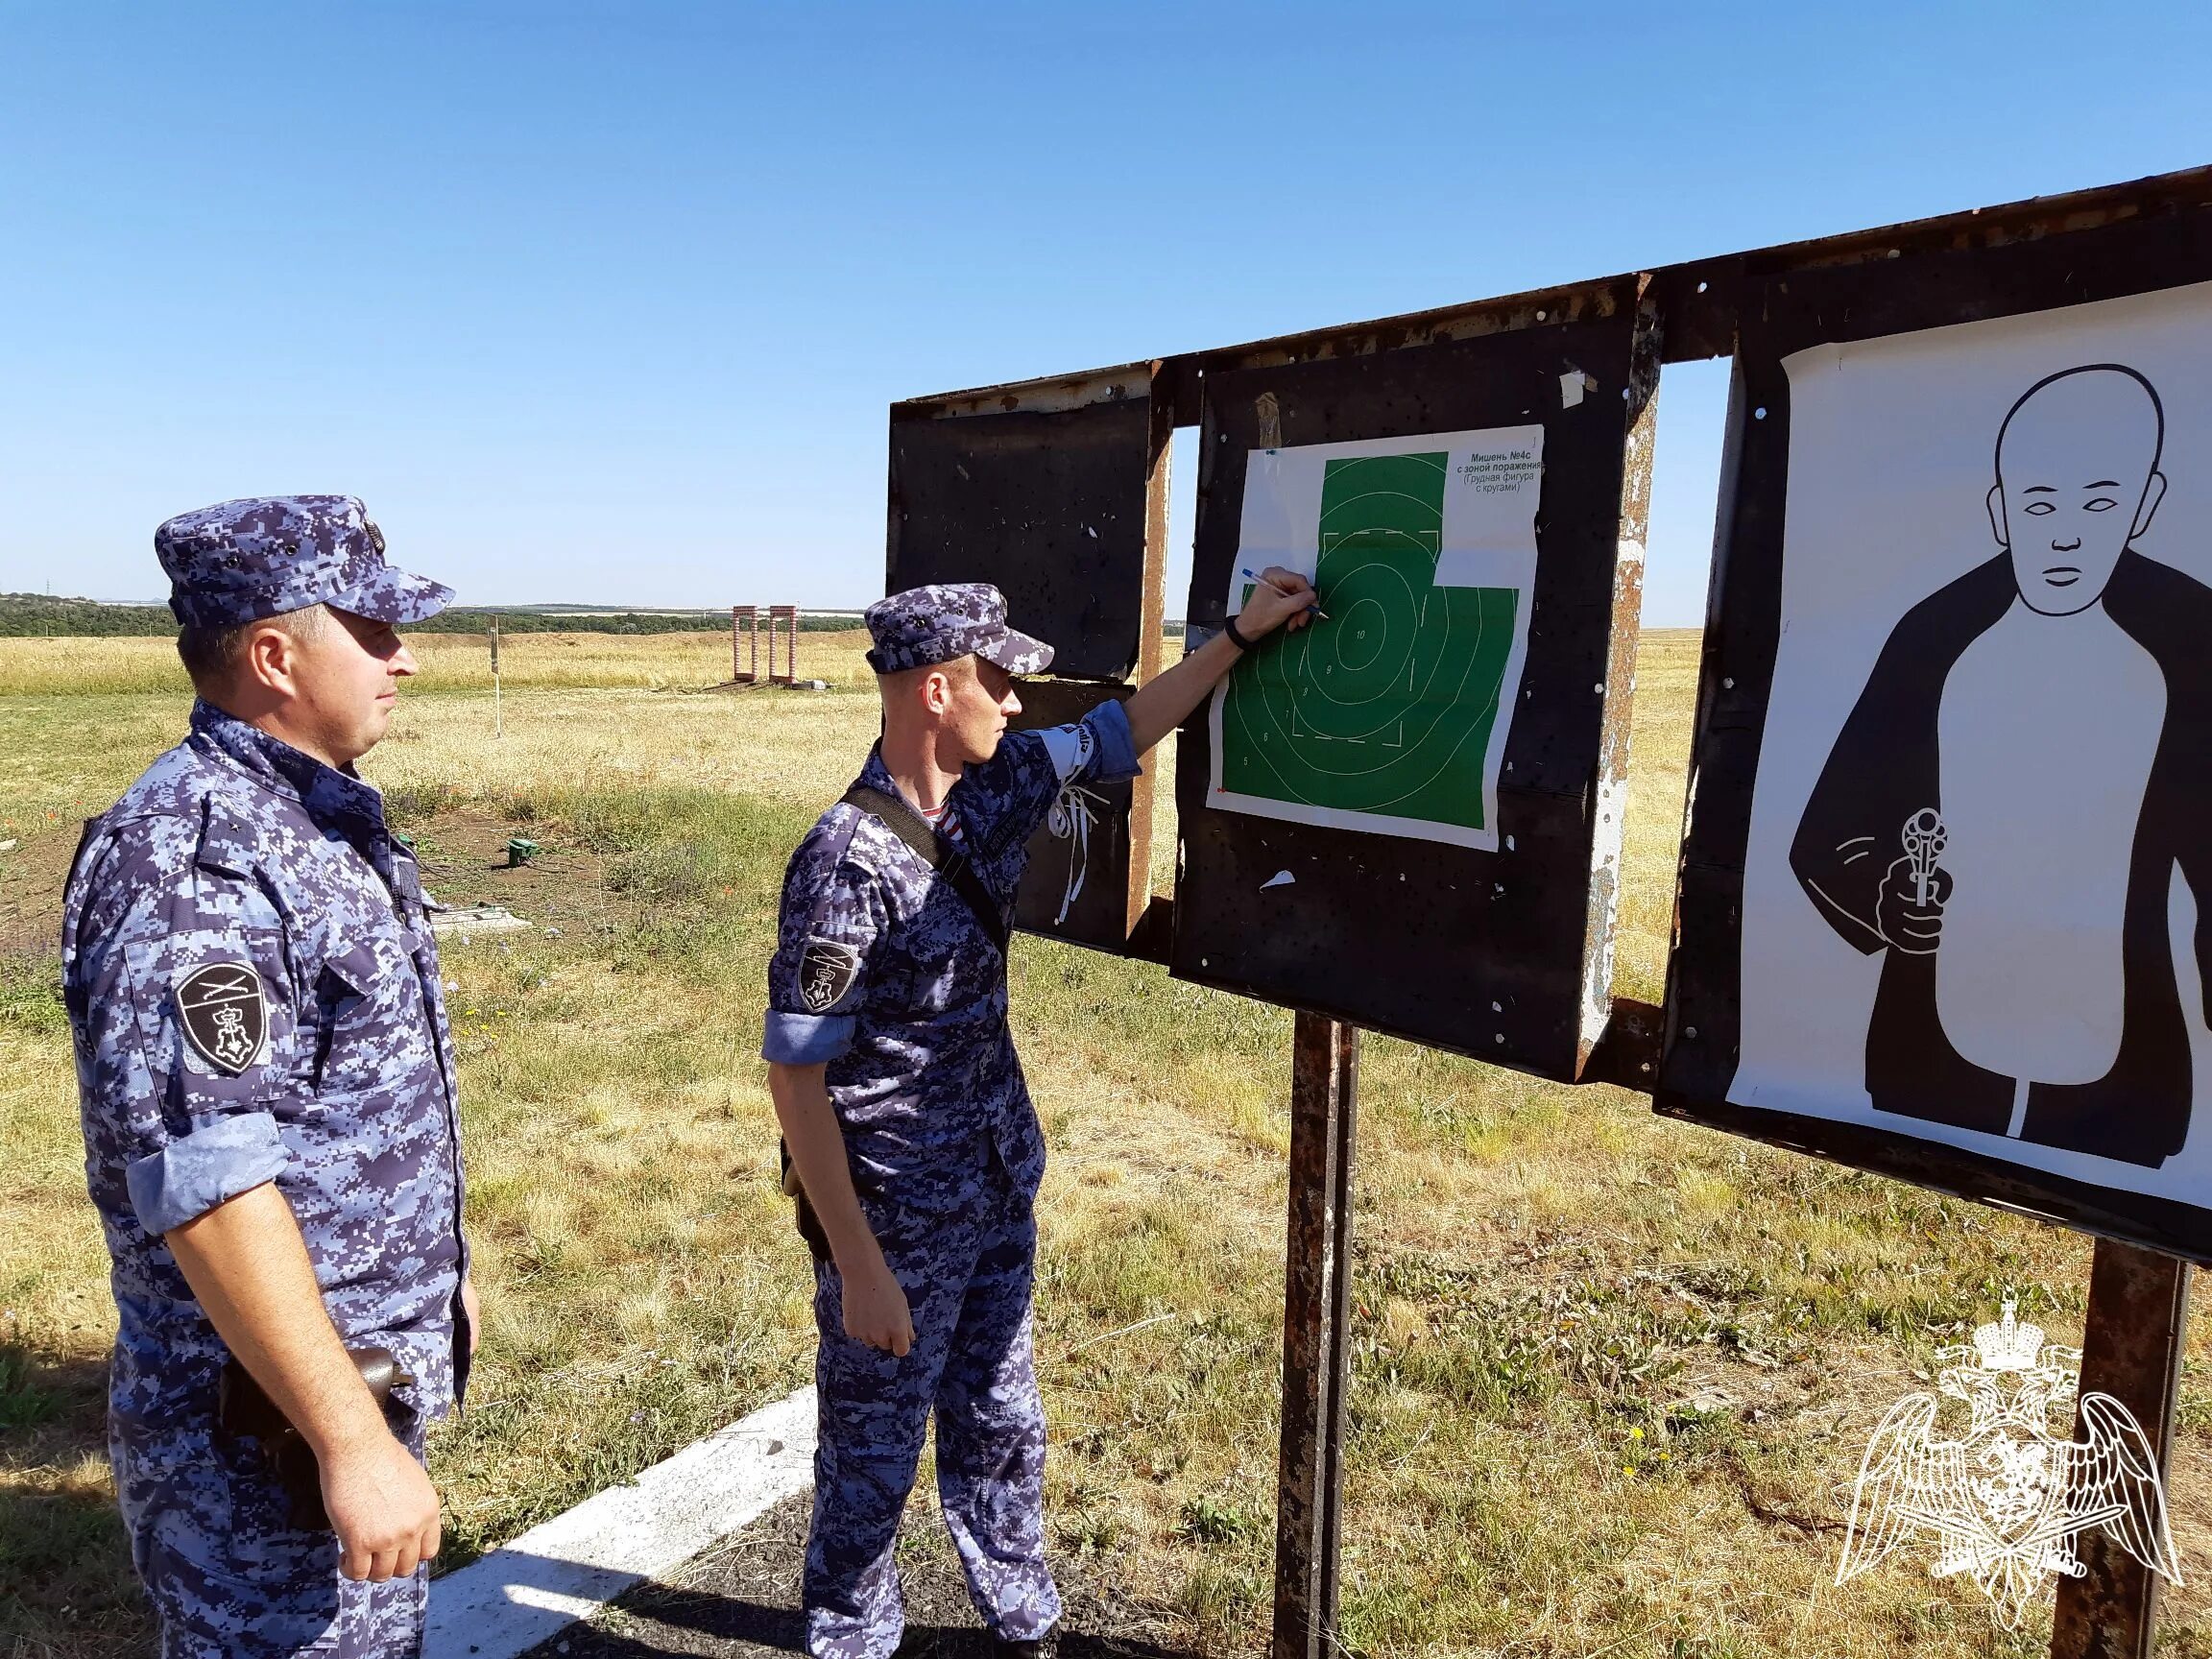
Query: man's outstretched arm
x=248 y=1267
x=1164 y=702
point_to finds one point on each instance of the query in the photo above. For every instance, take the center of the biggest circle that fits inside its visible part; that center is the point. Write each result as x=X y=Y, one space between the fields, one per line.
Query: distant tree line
x=23 y=615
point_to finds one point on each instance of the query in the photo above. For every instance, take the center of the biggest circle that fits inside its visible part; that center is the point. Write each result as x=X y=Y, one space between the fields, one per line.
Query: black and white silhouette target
x=1976 y=903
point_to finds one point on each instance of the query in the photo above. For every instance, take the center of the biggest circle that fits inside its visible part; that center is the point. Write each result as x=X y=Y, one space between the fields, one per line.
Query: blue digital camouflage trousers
x=227 y=1574
x=967 y=1276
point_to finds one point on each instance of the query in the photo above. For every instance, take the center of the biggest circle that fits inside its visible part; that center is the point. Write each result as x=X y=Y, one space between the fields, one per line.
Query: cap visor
x=1017 y=652
x=394 y=596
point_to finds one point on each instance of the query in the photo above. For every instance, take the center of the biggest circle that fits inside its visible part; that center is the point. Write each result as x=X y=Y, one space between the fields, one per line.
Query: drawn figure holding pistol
x=2014 y=802
x=266 y=1077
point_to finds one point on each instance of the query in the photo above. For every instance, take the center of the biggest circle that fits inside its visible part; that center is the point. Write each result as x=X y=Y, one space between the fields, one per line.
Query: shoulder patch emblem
x=826 y=971
x=225 y=1013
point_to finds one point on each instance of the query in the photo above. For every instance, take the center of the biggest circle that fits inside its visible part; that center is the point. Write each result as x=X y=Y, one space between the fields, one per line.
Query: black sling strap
x=930 y=847
x=951 y=865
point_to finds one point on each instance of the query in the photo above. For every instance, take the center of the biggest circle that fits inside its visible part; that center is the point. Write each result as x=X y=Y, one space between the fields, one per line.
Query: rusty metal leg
x=2131 y=1350
x=1316 y=1305
x=1340 y=1324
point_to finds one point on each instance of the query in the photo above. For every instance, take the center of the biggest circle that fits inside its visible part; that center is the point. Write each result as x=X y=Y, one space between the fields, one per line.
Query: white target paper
x=1390 y=715
x=2047 y=720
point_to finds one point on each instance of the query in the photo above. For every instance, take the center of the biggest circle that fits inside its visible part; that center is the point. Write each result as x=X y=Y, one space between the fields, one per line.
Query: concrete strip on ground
x=567 y=1568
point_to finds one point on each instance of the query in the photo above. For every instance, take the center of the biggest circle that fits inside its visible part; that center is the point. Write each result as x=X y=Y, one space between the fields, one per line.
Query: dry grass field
x=1612 y=1374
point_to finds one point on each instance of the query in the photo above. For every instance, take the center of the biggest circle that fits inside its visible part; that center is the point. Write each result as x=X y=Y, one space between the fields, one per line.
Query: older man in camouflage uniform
x=903 y=1107
x=266 y=1087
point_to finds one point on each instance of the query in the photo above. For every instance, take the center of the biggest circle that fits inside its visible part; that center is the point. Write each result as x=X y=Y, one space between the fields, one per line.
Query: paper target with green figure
x=1390 y=713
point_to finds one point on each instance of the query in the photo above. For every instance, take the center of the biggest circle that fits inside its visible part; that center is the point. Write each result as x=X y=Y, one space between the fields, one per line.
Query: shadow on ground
x=707 y=1623
x=740 y=1600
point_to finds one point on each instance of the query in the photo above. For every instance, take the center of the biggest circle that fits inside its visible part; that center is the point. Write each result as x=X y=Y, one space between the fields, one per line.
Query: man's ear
x=2154 y=492
x=1996 y=504
x=271 y=661
x=937 y=691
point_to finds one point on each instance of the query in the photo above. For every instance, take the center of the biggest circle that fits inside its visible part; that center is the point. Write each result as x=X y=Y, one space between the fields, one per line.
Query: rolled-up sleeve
x=187 y=1038
x=807 y=1039
x=1114 y=749
x=211 y=1165
x=1035 y=766
x=819 y=978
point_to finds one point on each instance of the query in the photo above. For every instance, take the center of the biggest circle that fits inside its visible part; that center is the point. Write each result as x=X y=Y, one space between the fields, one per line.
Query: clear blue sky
x=605 y=302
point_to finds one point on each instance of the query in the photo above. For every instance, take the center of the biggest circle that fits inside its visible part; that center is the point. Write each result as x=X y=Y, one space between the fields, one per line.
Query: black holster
x=244 y=1411
x=809 y=1224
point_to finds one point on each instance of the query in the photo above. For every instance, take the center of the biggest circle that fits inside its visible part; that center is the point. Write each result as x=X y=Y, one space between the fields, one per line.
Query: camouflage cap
x=924 y=626
x=264 y=555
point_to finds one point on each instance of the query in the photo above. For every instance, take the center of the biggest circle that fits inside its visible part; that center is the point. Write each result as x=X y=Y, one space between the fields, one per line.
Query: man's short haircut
x=952 y=666
x=211 y=654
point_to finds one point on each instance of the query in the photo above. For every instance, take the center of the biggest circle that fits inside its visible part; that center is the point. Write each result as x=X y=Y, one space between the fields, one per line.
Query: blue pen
x=1252 y=576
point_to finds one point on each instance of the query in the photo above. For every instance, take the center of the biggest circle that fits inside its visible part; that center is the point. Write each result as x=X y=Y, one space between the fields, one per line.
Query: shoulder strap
x=950 y=864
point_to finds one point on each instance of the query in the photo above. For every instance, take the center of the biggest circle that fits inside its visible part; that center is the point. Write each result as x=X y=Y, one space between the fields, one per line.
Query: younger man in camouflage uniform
x=266 y=1087
x=902 y=1103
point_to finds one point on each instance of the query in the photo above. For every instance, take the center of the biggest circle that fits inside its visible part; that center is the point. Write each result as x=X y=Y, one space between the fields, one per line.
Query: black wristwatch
x=1234 y=638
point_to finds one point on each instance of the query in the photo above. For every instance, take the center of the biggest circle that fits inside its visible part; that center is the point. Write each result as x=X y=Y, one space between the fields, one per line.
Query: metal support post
x=1316 y=1309
x=2131 y=1350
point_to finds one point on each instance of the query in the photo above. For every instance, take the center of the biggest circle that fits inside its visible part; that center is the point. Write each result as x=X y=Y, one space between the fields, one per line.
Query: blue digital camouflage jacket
x=254 y=991
x=883 y=974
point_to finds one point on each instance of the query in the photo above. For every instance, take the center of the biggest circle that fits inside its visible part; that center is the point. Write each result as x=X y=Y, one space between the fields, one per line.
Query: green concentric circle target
x=1387 y=706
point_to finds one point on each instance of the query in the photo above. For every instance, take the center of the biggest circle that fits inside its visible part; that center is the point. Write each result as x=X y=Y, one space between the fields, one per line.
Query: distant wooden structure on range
x=745 y=643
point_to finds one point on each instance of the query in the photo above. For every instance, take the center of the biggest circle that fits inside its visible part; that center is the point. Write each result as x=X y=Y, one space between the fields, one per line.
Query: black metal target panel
x=1058 y=494
x=1950 y=813
x=1352 y=854
x=1050 y=501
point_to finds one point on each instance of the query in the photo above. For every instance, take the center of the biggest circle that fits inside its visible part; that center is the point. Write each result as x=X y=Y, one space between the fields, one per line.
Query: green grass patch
x=1610 y=1373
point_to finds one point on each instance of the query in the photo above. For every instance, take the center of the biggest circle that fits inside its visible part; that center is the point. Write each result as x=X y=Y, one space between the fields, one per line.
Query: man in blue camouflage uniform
x=266 y=1078
x=905 y=1111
